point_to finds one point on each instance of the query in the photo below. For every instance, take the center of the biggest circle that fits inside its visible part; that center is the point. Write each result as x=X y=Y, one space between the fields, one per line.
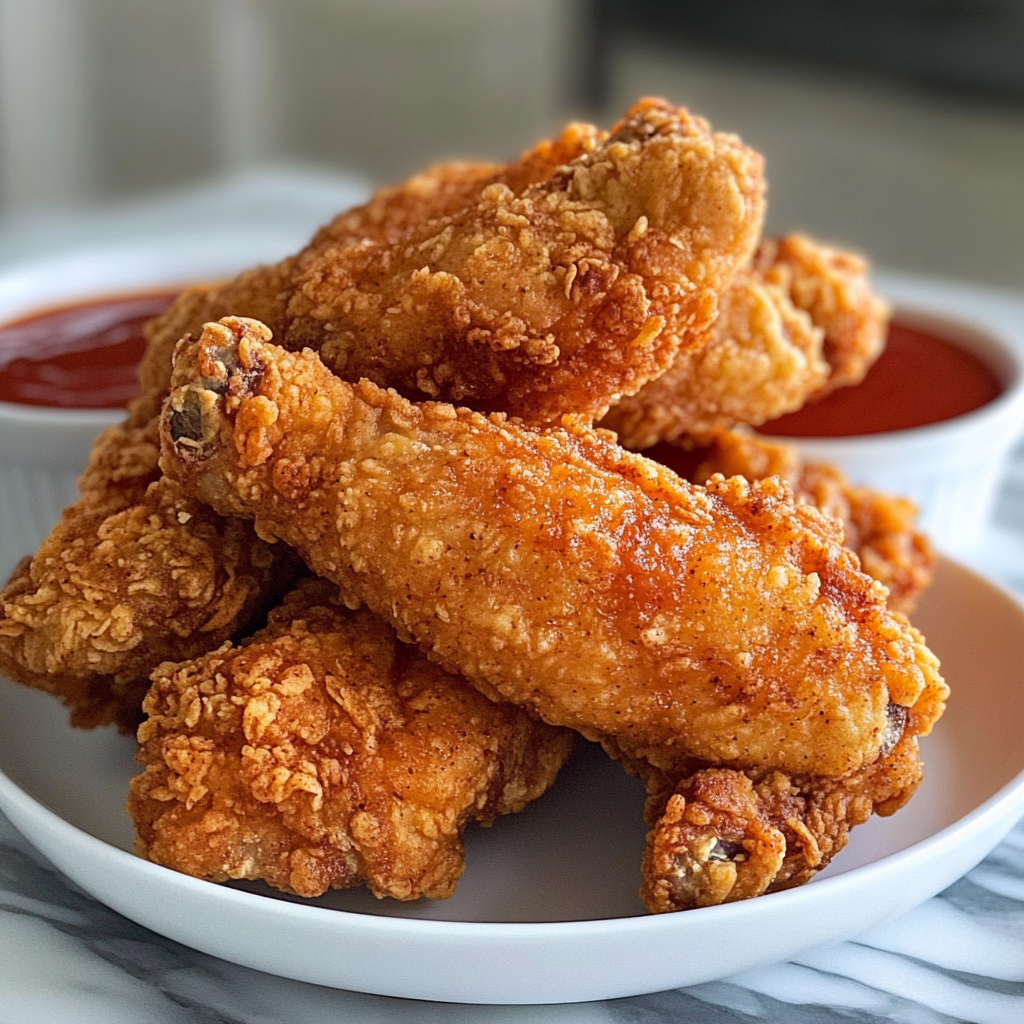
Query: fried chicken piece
x=879 y=528
x=725 y=624
x=550 y=286
x=135 y=572
x=723 y=835
x=832 y=285
x=762 y=359
x=796 y=323
x=323 y=753
x=120 y=585
x=559 y=298
x=391 y=216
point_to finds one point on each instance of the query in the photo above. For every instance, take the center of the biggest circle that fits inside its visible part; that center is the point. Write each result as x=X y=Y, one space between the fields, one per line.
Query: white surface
x=65 y=791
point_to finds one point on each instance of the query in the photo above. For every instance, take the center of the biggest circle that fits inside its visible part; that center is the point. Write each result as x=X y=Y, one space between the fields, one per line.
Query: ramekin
x=42 y=450
x=951 y=470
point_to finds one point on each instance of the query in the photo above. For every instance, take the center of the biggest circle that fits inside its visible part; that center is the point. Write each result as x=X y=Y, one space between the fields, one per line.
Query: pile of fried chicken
x=376 y=541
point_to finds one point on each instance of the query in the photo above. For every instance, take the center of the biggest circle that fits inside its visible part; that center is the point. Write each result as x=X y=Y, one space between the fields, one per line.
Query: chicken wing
x=723 y=835
x=114 y=591
x=725 y=624
x=323 y=753
x=832 y=286
x=135 y=572
x=796 y=323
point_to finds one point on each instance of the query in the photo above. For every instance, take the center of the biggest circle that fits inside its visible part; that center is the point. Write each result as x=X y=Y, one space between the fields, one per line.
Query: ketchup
x=84 y=356
x=918 y=379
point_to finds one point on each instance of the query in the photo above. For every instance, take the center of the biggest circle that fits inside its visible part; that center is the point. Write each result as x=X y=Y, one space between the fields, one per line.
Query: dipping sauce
x=84 y=356
x=918 y=379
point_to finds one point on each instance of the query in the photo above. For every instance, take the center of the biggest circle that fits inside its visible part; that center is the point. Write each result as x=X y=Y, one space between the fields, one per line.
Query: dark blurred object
x=976 y=45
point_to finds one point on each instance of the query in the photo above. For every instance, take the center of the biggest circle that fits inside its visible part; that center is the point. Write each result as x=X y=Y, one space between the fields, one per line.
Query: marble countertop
x=63 y=956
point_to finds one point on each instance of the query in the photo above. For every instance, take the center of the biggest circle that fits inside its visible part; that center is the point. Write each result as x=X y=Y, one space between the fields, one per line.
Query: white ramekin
x=42 y=451
x=950 y=470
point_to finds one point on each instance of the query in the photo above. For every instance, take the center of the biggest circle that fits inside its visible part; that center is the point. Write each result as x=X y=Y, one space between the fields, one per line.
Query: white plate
x=547 y=910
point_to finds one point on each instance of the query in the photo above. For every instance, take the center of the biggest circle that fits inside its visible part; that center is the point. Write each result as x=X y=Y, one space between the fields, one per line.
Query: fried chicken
x=879 y=528
x=135 y=572
x=323 y=753
x=548 y=285
x=721 y=835
x=832 y=285
x=799 y=321
x=724 y=624
x=553 y=285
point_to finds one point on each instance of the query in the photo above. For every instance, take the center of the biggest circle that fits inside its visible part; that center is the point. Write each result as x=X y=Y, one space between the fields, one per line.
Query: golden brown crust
x=554 y=299
x=832 y=286
x=507 y=332
x=723 y=835
x=763 y=357
x=878 y=528
x=797 y=322
x=553 y=569
x=322 y=753
x=551 y=285
x=135 y=573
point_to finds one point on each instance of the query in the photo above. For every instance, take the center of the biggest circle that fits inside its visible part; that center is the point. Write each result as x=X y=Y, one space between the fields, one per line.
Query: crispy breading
x=832 y=285
x=762 y=359
x=323 y=753
x=724 y=623
x=391 y=216
x=726 y=835
x=722 y=835
x=552 y=285
x=559 y=298
x=135 y=572
x=879 y=528
x=549 y=285
x=799 y=321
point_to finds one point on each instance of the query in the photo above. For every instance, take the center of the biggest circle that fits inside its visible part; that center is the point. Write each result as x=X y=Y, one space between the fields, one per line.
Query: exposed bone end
x=712 y=845
x=227 y=355
x=223 y=364
x=191 y=419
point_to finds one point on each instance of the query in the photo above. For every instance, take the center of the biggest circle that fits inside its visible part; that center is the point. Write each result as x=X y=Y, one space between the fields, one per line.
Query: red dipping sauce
x=919 y=379
x=84 y=356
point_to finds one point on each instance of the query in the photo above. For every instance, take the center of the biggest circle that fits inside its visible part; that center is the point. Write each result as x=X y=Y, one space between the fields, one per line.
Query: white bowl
x=951 y=470
x=42 y=451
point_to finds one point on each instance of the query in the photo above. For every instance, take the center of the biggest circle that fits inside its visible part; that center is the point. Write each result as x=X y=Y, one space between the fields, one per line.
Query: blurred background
x=892 y=126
